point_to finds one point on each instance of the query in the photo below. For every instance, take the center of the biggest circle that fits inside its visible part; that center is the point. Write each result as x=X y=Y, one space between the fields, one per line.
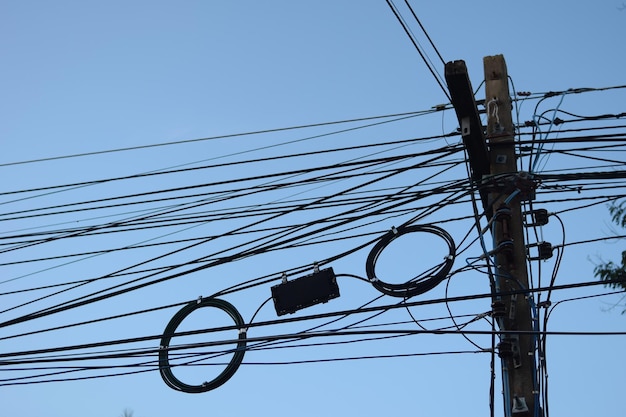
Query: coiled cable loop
x=412 y=287
x=231 y=368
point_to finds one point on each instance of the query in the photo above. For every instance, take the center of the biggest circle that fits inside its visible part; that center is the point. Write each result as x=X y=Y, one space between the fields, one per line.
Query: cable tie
x=284 y=277
x=316 y=267
x=394 y=230
x=199 y=300
x=493 y=113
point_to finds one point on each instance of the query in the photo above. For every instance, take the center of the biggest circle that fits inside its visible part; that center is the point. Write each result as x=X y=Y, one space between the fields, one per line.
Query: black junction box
x=305 y=291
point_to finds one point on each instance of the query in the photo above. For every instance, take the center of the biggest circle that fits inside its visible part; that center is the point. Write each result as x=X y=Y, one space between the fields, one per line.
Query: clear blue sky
x=84 y=76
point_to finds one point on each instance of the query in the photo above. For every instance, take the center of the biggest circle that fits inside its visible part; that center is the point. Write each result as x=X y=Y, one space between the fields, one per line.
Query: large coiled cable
x=170 y=329
x=412 y=287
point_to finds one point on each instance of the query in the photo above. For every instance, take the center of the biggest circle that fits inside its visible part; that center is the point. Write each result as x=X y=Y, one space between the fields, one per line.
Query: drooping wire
x=232 y=135
x=419 y=50
x=425 y=33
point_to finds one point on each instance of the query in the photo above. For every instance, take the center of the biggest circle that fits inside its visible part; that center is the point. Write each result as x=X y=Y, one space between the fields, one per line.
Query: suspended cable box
x=306 y=291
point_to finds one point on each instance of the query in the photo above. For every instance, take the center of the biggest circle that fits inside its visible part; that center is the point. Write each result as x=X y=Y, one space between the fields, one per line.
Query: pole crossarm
x=472 y=130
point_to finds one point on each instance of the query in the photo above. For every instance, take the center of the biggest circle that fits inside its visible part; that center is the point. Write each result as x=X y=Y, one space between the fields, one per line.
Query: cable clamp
x=199 y=299
x=519 y=405
x=394 y=230
x=540 y=217
x=545 y=250
x=316 y=267
x=526 y=183
x=243 y=330
x=503 y=212
x=284 y=277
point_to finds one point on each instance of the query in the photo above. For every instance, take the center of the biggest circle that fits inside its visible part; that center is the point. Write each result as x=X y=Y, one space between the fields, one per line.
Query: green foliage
x=127 y=413
x=610 y=272
x=618 y=213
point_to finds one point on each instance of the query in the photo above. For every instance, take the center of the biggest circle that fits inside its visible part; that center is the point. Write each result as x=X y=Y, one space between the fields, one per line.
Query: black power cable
x=417 y=47
x=170 y=329
x=412 y=287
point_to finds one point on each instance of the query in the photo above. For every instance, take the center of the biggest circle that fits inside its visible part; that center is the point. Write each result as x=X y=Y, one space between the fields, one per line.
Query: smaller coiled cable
x=170 y=329
x=412 y=287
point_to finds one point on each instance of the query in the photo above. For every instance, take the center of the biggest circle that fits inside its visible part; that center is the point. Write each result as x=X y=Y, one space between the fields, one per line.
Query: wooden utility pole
x=509 y=188
x=502 y=187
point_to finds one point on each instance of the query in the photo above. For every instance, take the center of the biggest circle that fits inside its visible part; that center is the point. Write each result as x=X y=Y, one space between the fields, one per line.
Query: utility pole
x=502 y=188
x=508 y=188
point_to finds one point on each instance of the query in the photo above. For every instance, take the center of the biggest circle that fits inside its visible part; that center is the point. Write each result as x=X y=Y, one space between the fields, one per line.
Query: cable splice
x=412 y=287
x=170 y=329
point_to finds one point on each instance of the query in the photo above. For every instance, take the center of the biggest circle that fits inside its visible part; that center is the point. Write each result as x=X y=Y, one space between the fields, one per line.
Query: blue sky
x=83 y=77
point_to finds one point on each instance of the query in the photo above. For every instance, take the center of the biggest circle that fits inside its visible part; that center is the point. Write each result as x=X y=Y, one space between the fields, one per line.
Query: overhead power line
x=415 y=43
x=232 y=135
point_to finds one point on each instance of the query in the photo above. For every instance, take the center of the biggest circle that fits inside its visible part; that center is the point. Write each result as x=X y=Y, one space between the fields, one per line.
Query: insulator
x=498 y=309
x=505 y=348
